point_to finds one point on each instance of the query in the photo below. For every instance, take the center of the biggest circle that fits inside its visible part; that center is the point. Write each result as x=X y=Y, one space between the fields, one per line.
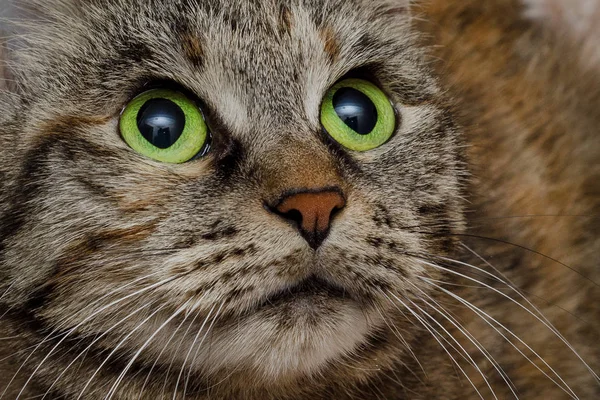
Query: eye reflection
x=161 y=122
x=355 y=109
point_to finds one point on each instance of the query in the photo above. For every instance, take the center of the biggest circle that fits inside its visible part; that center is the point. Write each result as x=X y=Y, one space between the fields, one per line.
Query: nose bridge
x=295 y=165
x=303 y=186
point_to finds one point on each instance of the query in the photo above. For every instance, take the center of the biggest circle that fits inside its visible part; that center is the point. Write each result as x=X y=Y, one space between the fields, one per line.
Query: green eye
x=164 y=125
x=358 y=115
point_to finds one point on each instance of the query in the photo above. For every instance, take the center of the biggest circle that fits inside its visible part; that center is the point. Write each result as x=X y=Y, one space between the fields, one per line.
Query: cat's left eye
x=358 y=115
x=164 y=125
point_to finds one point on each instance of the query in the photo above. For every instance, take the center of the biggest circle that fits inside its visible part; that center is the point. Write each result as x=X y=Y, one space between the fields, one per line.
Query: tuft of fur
x=466 y=253
x=577 y=20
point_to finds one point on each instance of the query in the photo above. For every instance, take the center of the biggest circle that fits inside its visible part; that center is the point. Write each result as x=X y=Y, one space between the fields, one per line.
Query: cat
x=298 y=199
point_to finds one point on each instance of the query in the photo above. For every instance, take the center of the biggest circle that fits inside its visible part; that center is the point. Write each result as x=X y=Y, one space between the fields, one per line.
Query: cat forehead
x=258 y=40
x=253 y=27
x=252 y=58
x=278 y=58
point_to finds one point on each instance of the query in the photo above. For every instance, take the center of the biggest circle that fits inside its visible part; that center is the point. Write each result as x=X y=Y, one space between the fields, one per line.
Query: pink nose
x=311 y=211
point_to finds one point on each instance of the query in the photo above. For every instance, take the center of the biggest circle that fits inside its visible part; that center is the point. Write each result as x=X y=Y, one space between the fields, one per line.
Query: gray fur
x=86 y=221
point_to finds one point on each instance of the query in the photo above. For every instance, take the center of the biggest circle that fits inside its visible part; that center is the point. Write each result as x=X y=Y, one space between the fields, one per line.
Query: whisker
x=587 y=278
x=535 y=216
x=435 y=335
x=165 y=348
x=196 y=315
x=567 y=389
x=7 y=290
x=511 y=285
x=191 y=348
x=446 y=315
x=77 y=327
x=466 y=353
x=98 y=337
x=401 y=338
x=498 y=218
x=6 y=312
x=582 y=275
x=187 y=379
x=52 y=335
x=62 y=322
x=549 y=326
x=144 y=345
x=117 y=347
x=507 y=284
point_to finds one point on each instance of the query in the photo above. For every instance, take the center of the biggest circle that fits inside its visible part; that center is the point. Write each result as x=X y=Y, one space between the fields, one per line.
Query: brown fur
x=494 y=165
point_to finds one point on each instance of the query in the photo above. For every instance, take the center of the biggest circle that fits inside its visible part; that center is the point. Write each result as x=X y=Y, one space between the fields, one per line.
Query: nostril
x=311 y=211
x=292 y=215
x=335 y=211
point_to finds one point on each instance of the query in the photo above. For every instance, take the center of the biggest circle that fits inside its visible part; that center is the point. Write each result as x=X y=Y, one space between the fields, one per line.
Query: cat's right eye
x=164 y=125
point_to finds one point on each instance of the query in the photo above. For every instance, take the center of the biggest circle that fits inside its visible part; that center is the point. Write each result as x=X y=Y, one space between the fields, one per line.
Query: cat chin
x=287 y=341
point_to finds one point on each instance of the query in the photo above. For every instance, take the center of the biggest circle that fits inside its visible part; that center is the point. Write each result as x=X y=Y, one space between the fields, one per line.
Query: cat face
x=191 y=263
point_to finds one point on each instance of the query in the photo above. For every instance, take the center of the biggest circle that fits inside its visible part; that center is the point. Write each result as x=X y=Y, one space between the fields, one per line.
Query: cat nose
x=311 y=211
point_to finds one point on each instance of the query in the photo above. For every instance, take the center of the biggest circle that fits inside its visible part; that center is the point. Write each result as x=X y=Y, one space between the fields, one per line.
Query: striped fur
x=125 y=278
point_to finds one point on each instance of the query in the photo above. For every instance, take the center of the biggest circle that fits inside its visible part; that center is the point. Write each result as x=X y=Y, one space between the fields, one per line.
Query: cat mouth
x=312 y=287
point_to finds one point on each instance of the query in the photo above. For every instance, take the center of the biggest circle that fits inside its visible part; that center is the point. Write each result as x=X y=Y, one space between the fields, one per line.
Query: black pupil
x=356 y=110
x=161 y=122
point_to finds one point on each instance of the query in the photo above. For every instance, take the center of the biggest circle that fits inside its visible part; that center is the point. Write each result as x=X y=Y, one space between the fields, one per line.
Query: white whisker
x=446 y=315
x=176 y=352
x=196 y=353
x=567 y=389
x=144 y=345
x=53 y=334
x=514 y=287
x=546 y=324
x=435 y=335
x=61 y=322
x=466 y=353
x=74 y=329
x=117 y=347
x=98 y=337
x=165 y=348
x=7 y=290
x=401 y=338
